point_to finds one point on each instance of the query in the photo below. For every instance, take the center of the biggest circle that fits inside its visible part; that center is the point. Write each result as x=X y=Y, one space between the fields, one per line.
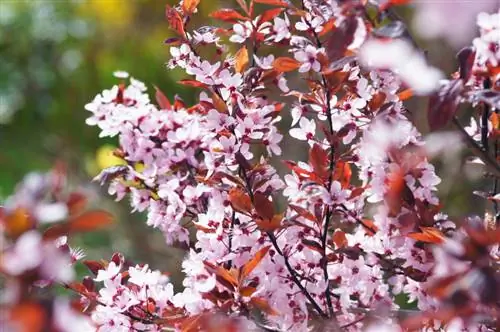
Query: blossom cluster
x=208 y=166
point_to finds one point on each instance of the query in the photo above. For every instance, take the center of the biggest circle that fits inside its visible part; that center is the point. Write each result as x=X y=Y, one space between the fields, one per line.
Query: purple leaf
x=444 y=104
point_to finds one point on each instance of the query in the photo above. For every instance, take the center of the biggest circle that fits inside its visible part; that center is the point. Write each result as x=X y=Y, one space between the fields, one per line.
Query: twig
x=354 y=322
x=295 y=279
x=477 y=150
x=328 y=213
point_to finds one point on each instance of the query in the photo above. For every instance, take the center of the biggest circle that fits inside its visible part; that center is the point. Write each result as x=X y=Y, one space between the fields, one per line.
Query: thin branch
x=295 y=279
x=328 y=214
x=354 y=322
x=477 y=150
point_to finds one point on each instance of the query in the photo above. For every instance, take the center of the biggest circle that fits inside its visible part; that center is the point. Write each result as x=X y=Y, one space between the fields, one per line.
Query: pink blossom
x=308 y=57
x=306 y=130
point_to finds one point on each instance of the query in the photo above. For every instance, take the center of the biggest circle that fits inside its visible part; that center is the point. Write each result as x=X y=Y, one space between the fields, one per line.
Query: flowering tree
x=345 y=238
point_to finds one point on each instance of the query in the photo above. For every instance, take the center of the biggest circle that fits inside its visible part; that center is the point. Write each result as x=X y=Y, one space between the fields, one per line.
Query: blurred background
x=57 y=55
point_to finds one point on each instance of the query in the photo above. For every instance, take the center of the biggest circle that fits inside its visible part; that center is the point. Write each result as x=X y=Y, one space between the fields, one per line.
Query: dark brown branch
x=328 y=213
x=295 y=278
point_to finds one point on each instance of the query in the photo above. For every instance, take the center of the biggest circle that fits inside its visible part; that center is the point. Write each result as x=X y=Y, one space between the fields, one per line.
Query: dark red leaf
x=162 y=100
x=263 y=206
x=76 y=202
x=93 y=266
x=89 y=284
x=172 y=41
x=342 y=173
x=303 y=212
x=483 y=237
x=327 y=27
x=466 y=58
x=269 y=225
x=318 y=158
x=443 y=104
x=313 y=245
x=341 y=38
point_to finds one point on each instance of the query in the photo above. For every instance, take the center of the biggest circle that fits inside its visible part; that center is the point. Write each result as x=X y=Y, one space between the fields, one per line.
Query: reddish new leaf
x=313 y=245
x=86 y=222
x=377 y=101
x=90 y=221
x=27 y=317
x=227 y=278
x=240 y=201
x=280 y=3
x=219 y=104
x=339 y=239
x=247 y=291
x=327 y=27
x=262 y=304
x=269 y=15
x=189 y=6
x=252 y=263
x=369 y=226
x=17 y=222
x=318 y=158
x=405 y=94
x=269 y=225
x=241 y=60
x=175 y=20
x=443 y=104
x=398 y=192
x=343 y=173
x=228 y=15
x=162 y=100
x=285 y=64
x=193 y=83
x=428 y=235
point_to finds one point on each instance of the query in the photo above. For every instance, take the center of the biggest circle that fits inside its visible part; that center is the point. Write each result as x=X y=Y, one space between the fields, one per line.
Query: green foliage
x=56 y=56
